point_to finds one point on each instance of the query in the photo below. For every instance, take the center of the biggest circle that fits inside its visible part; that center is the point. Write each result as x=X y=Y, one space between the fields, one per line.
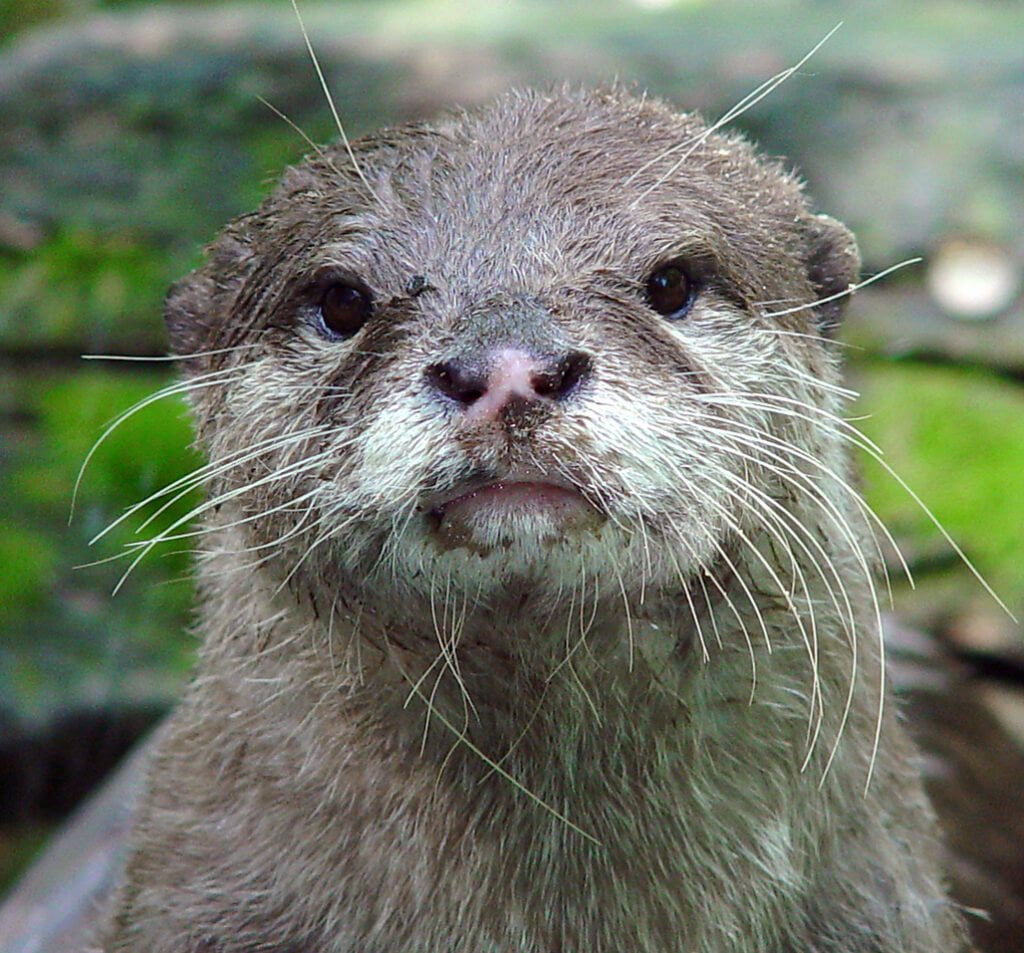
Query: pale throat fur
x=536 y=596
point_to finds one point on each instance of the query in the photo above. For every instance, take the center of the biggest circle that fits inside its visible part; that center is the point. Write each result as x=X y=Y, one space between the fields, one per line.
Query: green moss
x=956 y=437
x=76 y=413
x=85 y=286
x=70 y=639
x=29 y=559
x=18 y=15
x=19 y=844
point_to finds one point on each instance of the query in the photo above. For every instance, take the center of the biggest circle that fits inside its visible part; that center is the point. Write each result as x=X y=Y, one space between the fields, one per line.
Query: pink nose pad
x=505 y=376
x=512 y=375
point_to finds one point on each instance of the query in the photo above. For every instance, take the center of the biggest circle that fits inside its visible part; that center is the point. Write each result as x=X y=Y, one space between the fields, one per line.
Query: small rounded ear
x=833 y=265
x=187 y=308
x=193 y=306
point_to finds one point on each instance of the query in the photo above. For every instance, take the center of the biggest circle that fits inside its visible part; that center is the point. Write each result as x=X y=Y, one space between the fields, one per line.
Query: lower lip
x=523 y=496
x=556 y=508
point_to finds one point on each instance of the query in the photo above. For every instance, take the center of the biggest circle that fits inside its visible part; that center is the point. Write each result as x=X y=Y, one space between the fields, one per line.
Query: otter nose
x=508 y=376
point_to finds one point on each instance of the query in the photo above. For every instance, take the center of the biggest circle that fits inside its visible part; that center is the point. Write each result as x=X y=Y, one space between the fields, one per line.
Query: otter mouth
x=485 y=514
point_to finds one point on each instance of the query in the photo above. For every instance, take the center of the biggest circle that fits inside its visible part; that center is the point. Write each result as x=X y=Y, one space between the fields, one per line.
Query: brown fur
x=649 y=731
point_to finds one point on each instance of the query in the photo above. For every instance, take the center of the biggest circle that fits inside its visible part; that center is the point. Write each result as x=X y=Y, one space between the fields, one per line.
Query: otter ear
x=187 y=309
x=193 y=305
x=833 y=264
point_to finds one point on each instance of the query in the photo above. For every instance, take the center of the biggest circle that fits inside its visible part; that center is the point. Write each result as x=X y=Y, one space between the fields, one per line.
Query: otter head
x=568 y=336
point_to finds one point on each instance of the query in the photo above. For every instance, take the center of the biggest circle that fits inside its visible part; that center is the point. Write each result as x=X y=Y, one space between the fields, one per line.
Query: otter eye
x=670 y=291
x=344 y=309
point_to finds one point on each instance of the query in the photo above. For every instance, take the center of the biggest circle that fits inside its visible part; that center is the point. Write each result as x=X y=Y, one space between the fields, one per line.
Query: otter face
x=536 y=345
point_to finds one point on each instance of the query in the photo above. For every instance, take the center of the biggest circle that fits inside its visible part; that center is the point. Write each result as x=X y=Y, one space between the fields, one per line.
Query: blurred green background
x=131 y=131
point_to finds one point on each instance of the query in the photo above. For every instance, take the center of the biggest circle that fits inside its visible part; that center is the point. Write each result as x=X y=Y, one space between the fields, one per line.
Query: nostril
x=458 y=382
x=487 y=382
x=560 y=378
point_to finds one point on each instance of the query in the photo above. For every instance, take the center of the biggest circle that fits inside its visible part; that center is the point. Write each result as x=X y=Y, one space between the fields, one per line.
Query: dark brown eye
x=344 y=309
x=670 y=291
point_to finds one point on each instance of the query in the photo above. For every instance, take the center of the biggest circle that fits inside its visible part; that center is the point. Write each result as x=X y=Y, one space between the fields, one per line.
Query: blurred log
x=53 y=908
x=974 y=771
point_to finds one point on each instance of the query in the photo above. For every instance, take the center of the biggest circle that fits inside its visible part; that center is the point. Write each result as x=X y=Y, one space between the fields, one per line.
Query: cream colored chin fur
x=652 y=729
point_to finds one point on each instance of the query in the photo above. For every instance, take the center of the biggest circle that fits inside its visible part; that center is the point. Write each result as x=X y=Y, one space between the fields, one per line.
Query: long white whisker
x=747 y=102
x=330 y=100
x=846 y=291
x=186 y=484
x=309 y=142
x=215 y=378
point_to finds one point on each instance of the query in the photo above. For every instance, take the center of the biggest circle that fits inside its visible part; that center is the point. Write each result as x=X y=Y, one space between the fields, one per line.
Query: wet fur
x=650 y=734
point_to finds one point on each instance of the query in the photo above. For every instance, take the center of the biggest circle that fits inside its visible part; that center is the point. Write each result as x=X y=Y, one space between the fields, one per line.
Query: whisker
x=167 y=358
x=296 y=128
x=747 y=102
x=186 y=484
x=330 y=100
x=845 y=292
x=214 y=378
x=511 y=779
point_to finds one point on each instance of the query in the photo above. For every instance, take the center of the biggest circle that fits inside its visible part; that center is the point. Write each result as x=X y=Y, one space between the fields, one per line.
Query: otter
x=537 y=602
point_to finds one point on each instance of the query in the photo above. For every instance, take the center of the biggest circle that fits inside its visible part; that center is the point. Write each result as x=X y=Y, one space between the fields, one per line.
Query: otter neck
x=431 y=675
